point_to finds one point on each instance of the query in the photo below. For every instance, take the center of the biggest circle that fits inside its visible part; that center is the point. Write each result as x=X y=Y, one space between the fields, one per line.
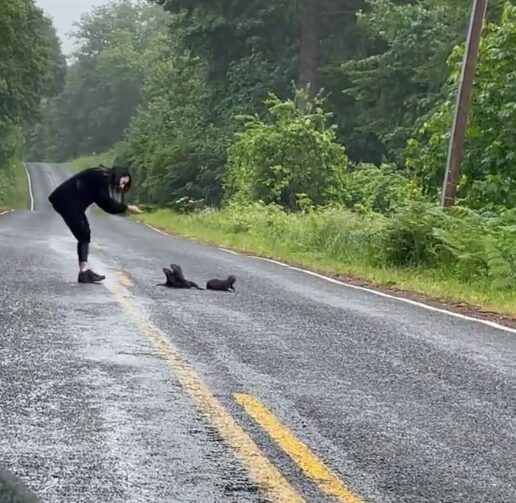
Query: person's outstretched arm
x=107 y=203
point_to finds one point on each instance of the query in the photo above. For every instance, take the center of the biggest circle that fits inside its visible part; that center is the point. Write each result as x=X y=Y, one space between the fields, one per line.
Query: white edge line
x=157 y=230
x=488 y=323
x=168 y=235
x=265 y=259
x=30 y=187
x=229 y=251
x=491 y=324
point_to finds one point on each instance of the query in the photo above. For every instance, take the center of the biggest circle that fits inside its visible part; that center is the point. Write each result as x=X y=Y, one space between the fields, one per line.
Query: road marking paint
x=262 y=471
x=157 y=230
x=30 y=187
x=311 y=465
x=232 y=252
x=124 y=279
x=265 y=259
x=491 y=324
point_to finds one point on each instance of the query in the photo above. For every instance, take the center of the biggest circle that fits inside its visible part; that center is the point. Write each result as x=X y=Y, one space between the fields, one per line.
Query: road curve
x=291 y=389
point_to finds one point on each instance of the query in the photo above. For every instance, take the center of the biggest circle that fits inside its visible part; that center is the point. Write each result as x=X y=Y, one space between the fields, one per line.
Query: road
x=292 y=389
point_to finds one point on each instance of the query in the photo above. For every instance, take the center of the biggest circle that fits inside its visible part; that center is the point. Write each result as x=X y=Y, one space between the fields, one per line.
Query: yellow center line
x=124 y=279
x=262 y=471
x=311 y=465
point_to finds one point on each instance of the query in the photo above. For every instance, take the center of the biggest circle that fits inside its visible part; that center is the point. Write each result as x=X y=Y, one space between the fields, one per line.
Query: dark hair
x=118 y=172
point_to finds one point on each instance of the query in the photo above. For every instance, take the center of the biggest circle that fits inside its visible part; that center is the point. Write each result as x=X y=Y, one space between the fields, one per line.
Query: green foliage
x=409 y=238
x=29 y=60
x=170 y=140
x=482 y=246
x=292 y=155
x=104 y=82
x=488 y=171
x=399 y=82
x=13 y=186
x=380 y=189
x=31 y=67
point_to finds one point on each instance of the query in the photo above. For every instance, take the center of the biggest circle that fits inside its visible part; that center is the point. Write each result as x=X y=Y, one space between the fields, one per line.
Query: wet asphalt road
x=405 y=405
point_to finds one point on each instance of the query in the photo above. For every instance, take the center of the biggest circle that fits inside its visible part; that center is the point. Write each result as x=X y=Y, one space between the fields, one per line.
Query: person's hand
x=133 y=209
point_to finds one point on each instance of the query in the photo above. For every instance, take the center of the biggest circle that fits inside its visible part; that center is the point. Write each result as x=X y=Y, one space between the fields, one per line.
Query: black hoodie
x=93 y=185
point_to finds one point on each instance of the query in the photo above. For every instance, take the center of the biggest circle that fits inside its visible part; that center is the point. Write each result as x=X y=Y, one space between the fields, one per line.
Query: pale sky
x=64 y=13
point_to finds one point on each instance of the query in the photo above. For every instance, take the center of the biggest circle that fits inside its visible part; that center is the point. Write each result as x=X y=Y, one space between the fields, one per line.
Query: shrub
x=293 y=155
x=381 y=189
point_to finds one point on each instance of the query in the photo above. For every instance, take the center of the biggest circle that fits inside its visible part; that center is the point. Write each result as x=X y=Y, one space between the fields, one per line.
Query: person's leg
x=80 y=228
x=83 y=236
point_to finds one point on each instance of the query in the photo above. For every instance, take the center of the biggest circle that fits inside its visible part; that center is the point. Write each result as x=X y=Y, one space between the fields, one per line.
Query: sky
x=64 y=13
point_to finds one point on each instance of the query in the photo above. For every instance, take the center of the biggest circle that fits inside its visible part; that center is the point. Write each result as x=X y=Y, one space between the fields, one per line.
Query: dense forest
x=206 y=99
x=295 y=106
x=31 y=68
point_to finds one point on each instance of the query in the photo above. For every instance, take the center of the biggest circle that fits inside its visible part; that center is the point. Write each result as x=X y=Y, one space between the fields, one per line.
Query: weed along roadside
x=13 y=188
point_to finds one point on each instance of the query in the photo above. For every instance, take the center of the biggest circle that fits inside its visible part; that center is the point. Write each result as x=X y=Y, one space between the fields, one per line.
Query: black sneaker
x=90 y=277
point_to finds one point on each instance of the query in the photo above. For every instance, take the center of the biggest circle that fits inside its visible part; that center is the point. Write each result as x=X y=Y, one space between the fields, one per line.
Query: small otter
x=222 y=284
x=176 y=279
x=172 y=281
x=185 y=283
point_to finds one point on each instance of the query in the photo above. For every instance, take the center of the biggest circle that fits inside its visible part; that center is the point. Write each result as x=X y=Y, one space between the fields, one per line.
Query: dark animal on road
x=171 y=279
x=13 y=490
x=176 y=278
x=185 y=283
x=222 y=284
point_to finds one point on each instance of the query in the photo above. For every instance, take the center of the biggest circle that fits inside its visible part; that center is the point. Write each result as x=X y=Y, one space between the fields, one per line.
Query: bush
x=483 y=247
x=380 y=189
x=489 y=169
x=408 y=238
x=294 y=156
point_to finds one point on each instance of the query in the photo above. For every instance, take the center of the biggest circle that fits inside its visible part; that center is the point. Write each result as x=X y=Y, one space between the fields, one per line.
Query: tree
x=289 y=160
x=31 y=67
x=104 y=83
x=399 y=82
x=488 y=175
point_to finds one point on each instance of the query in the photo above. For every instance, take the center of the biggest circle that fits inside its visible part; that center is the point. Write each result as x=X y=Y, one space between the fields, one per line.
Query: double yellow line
x=267 y=477
x=313 y=467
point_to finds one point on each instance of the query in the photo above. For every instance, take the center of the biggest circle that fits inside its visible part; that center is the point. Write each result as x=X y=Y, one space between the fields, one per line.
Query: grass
x=13 y=187
x=89 y=161
x=336 y=245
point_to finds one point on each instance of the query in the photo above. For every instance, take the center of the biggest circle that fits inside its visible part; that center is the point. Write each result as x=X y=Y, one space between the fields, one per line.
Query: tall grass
x=13 y=187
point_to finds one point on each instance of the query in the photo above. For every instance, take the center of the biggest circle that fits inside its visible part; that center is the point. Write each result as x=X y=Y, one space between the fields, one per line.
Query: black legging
x=80 y=228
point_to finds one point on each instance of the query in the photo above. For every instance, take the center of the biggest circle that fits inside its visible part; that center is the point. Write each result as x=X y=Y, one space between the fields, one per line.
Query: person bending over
x=96 y=185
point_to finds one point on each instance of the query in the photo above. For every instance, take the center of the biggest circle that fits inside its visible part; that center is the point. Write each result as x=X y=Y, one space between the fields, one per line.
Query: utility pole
x=460 y=120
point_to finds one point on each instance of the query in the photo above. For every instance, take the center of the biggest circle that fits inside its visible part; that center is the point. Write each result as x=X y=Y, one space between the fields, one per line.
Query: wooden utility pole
x=460 y=120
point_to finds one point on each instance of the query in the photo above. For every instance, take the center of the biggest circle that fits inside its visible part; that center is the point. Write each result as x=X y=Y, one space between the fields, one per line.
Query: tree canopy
x=165 y=83
x=31 y=68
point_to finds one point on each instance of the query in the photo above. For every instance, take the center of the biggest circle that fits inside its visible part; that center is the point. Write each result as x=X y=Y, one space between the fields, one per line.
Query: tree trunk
x=309 y=46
